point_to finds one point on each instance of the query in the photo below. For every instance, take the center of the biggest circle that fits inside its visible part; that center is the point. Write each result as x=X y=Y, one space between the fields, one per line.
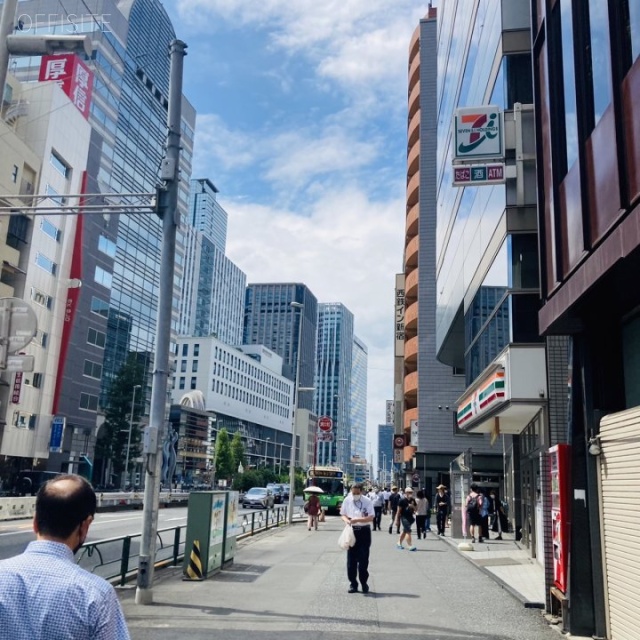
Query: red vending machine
x=560 y=469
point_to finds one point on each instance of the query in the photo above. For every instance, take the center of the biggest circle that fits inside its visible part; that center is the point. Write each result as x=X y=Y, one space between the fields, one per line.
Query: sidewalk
x=292 y=581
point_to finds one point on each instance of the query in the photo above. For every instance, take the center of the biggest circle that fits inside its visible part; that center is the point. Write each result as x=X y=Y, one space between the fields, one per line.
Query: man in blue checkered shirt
x=44 y=594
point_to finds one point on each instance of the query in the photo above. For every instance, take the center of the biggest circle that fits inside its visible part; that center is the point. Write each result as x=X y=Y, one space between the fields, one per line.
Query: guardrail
x=113 y=558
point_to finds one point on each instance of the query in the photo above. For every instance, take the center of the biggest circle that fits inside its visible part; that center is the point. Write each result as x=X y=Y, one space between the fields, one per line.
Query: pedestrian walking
x=422 y=509
x=496 y=513
x=473 y=505
x=312 y=507
x=357 y=510
x=44 y=594
x=378 y=506
x=394 y=498
x=406 y=518
x=386 y=494
x=442 y=504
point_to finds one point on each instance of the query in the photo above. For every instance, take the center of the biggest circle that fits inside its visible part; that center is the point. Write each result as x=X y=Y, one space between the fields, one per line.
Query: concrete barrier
x=15 y=508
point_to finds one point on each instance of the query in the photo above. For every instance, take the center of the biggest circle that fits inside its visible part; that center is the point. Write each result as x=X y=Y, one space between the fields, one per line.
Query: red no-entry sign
x=325 y=423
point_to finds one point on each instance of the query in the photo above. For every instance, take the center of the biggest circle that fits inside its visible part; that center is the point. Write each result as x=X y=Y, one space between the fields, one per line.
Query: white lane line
x=172 y=519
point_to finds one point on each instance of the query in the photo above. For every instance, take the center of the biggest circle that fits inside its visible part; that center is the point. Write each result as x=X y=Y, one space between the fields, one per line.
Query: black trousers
x=358 y=557
x=421 y=522
x=377 y=519
x=441 y=519
x=394 y=512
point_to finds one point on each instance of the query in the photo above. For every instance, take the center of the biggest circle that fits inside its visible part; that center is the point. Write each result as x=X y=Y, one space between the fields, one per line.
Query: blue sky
x=302 y=113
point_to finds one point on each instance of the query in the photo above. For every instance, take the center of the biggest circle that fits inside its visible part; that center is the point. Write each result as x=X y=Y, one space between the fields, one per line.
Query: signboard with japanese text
x=414 y=433
x=399 y=315
x=57 y=433
x=72 y=75
x=473 y=175
x=390 y=412
x=478 y=133
x=17 y=388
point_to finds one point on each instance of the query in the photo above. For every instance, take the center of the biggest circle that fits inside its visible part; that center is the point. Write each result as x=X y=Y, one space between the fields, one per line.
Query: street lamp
x=126 y=464
x=266 y=451
x=384 y=469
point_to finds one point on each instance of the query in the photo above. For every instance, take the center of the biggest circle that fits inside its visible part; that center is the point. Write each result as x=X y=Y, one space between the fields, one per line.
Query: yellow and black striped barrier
x=194 y=570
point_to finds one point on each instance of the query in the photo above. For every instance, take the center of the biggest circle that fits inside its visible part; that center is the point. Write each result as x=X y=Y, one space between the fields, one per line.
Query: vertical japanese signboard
x=399 y=315
x=57 y=433
x=72 y=75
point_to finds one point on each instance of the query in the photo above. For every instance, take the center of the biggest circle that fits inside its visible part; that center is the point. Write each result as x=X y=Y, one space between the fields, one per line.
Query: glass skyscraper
x=334 y=364
x=120 y=253
x=270 y=320
x=212 y=296
x=359 y=399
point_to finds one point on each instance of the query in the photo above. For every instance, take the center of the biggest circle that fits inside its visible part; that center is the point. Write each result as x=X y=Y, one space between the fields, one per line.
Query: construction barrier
x=194 y=569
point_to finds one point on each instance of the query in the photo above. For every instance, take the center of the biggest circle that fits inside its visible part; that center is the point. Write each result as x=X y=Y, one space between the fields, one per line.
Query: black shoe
x=498 y=537
x=365 y=588
x=353 y=589
x=480 y=539
x=473 y=540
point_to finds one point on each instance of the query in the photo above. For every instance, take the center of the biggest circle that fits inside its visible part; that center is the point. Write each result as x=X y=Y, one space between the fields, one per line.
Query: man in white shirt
x=357 y=511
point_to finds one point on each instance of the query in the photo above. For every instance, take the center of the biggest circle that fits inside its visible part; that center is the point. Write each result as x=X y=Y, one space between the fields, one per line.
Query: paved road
x=292 y=584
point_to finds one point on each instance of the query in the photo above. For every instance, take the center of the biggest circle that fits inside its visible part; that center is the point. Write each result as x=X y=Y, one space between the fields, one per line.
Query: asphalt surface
x=291 y=583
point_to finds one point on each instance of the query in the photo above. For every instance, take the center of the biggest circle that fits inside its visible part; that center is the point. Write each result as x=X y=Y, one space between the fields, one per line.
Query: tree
x=111 y=445
x=224 y=468
x=237 y=452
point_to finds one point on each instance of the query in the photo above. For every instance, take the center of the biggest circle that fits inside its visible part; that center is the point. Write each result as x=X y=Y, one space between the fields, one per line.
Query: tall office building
x=271 y=320
x=334 y=369
x=385 y=454
x=430 y=387
x=118 y=255
x=587 y=73
x=212 y=301
x=359 y=401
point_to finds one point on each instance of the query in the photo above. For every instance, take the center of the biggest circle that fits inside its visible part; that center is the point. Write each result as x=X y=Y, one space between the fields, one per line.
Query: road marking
x=172 y=519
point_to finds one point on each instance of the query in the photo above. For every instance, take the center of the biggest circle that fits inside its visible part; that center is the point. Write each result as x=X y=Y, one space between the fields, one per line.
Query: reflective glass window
x=59 y=164
x=50 y=229
x=600 y=57
x=46 y=263
x=634 y=27
x=103 y=277
x=96 y=338
x=99 y=307
x=88 y=402
x=569 y=83
x=107 y=246
x=92 y=369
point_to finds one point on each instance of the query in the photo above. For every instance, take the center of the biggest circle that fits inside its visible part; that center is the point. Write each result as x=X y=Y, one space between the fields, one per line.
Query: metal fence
x=117 y=558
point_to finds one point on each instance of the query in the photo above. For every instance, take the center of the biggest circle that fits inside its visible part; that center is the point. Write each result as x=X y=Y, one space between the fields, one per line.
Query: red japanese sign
x=72 y=75
x=17 y=387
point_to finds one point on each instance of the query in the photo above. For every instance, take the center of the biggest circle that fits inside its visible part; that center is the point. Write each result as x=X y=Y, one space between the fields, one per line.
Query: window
x=181 y=383
x=634 y=28
x=59 y=164
x=569 y=83
x=88 y=402
x=18 y=231
x=92 y=369
x=46 y=263
x=194 y=382
x=14 y=173
x=99 y=307
x=103 y=277
x=36 y=380
x=24 y=420
x=194 y=366
x=53 y=195
x=41 y=298
x=107 y=246
x=97 y=338
x=185 y=350
x=50 y=229
x=600 y=57
x=196 y=350
x=183 y=366
x=41 y=338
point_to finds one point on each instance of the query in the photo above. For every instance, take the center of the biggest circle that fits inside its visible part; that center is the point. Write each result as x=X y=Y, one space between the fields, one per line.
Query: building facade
x=385 y=454
x=271 y=320
x=587 y=84
x=212 y=296
x=115 y=311
x=334 y=370
x=358 y=407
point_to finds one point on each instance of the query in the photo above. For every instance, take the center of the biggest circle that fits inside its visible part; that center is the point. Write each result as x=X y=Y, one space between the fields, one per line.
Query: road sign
x=415 y=478
x=325 y=423
x=398 y=442
x=397 y=456
x=325 y=436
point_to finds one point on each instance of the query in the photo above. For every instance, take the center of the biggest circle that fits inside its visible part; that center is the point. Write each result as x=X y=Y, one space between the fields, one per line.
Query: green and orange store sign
x=489 y=393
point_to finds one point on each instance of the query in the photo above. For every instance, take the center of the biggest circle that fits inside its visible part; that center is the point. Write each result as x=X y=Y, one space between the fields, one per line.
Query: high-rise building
x=587 y=80
x=334 y=368
x=358 y=406
x=271 y=320
x=118 y=254
x=212 y=300
x=385 y=454
x=39 y=158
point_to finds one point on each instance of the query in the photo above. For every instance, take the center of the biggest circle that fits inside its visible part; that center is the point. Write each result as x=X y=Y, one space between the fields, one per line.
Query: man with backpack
x=473 y=508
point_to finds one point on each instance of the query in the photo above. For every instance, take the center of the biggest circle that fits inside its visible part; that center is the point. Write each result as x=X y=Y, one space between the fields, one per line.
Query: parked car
x=286 y=491
x=260 y=497
x=278 y=492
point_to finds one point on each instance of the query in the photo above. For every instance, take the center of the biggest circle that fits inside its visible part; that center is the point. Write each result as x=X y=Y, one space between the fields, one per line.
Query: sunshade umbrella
x=313 y=490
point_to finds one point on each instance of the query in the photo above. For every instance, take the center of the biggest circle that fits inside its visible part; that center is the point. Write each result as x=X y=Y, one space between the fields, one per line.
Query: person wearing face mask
x=357 y=510
x=43 y=593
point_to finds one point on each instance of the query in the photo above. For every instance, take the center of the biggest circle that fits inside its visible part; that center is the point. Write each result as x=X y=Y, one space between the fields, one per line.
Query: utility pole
x=168 y=210
x=7 y=21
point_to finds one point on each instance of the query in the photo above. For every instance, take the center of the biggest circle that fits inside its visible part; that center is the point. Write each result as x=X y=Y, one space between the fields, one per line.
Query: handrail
x=121 y=550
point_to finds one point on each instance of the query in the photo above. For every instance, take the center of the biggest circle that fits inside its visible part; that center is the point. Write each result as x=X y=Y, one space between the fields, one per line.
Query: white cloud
x=346 y=250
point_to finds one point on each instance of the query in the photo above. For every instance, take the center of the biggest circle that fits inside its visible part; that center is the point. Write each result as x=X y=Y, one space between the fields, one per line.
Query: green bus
x=331 y=481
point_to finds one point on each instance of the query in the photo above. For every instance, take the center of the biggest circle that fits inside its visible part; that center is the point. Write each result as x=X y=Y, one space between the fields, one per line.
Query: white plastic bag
x=347 y=538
